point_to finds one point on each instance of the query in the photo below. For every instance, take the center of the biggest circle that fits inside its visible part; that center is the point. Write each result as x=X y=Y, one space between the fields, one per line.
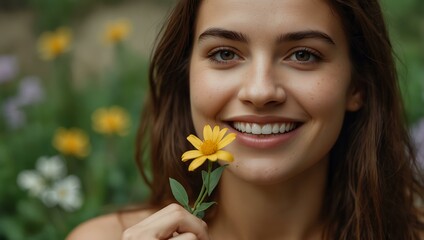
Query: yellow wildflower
x=72 y=142
x=117 y=31
x=210 y=148
x=113 y=120
x=53 y=44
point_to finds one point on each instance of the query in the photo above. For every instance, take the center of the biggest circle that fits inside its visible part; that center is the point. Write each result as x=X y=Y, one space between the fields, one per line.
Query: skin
x=263 y=76
x=264 y=82
x=266 y=74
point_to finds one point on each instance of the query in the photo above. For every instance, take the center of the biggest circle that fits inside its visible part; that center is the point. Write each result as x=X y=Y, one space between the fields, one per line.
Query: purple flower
x=417 y=133
x=14 y=116
x=8 y=68
x=30 y=91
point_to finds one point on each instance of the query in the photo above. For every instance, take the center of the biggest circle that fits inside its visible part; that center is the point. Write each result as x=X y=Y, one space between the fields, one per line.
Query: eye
x=305 y=56
x=223 y=56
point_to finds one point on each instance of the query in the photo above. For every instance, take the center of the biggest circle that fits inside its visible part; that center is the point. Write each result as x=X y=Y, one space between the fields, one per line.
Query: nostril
x=262 y=95
x=272 y=103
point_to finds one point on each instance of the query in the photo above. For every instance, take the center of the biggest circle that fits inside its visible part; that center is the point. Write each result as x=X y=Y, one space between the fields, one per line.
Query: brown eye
x=303 y=56
x=226 y=55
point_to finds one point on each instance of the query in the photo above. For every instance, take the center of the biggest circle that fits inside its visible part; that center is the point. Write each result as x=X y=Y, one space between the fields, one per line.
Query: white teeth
x=283 y=128
x=256 y=129
x=248 y=128
x=275 y=128
x=266 y=129
x=288 y=127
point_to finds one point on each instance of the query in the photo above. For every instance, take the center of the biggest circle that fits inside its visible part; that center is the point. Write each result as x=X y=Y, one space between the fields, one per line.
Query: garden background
x=72 y=81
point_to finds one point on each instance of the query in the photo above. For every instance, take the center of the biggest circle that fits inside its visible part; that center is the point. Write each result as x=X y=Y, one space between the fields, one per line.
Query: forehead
x=269 y=17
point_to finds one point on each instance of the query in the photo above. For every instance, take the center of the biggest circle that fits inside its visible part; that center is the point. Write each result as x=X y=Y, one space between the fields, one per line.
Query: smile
x=265 y=129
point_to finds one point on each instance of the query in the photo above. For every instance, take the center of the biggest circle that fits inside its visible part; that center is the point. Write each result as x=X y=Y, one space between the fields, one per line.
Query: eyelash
x=212 y=55
x=315 y=54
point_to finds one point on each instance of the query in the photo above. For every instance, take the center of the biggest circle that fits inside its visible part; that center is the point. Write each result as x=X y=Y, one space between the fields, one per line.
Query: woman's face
x=277 y=73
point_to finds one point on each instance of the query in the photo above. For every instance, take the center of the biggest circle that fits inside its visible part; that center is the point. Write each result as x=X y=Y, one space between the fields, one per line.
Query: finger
x=162 y=213
x=177 y=219
x=165 y=222
x=185 y=236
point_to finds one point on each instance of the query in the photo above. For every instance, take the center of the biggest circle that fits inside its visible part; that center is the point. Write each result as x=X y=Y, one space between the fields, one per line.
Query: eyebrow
x=286 y=37
x=223 y=33
x=296 y=36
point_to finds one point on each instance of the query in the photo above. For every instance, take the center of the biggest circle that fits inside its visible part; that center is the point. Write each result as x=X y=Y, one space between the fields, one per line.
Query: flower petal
x=195 y=141
x=190 y=155
x=207 y=133
x=196 y=163
x=224 y=156
x=212 y=157
x=215 y=133
x=227 y=140
x=221 y=134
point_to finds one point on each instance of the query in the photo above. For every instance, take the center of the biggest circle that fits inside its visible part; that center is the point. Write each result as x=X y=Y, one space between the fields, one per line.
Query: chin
x=266 y=172
x=259 y=175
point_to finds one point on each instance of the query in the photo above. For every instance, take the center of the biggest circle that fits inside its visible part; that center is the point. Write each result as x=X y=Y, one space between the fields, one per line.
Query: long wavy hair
x=373 y=179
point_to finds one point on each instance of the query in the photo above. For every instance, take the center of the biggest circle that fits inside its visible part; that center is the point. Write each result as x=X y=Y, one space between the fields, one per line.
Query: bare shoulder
x=108 y=227
x=103 y=227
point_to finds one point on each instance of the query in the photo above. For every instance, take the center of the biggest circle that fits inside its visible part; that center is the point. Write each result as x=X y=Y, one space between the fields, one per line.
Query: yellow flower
x=72 y=142
x=113 y=120
x=210 y=148
x=117 y=31
x=53 y=44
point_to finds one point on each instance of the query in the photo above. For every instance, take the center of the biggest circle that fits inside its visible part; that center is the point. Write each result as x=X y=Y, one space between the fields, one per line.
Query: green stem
x=58 y=219
x=204 y=190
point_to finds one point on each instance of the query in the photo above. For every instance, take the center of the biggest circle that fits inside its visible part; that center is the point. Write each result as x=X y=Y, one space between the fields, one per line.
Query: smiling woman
x=310 y=89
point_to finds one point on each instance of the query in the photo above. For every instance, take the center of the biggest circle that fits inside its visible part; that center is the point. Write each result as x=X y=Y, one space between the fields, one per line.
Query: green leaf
x=214 y=178
x=200 y=210
x=179 y=193
x=200 y=215
x=205 y=178
x=12 y=228
x=204 y=206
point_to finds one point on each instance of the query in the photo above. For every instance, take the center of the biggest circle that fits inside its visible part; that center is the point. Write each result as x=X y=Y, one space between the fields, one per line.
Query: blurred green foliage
x=406 y=25
x=51 y=14
x=108 y=175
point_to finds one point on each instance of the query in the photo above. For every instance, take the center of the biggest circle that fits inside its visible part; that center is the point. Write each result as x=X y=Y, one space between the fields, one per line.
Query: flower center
x=208 y=147
x=56 y=46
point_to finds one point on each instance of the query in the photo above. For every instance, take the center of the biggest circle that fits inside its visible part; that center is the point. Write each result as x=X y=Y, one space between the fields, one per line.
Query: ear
x=355 y=100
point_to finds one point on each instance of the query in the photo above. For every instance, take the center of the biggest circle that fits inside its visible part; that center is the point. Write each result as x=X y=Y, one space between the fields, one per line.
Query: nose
x=261 y=88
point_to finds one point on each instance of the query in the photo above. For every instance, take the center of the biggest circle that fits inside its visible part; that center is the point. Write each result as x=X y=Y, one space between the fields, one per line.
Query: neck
x=287 y=210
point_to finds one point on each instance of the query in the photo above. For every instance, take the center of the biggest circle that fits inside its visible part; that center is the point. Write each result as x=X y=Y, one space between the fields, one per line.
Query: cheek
x=326 y=95
x=209 y=94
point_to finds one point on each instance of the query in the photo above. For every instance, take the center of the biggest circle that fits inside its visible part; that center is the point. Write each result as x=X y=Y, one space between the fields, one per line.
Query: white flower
x=48 y=183
x=51 y=168
x=65 y=193
x=32 y=181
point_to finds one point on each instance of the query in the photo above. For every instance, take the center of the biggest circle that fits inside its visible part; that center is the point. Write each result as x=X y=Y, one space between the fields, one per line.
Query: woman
x=339 y=166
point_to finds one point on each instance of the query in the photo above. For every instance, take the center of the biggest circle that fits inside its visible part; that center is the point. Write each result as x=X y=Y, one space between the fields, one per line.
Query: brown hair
x=373 y=178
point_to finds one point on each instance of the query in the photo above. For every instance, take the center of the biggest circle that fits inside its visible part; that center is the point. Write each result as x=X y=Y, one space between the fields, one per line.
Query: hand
x=172 y=222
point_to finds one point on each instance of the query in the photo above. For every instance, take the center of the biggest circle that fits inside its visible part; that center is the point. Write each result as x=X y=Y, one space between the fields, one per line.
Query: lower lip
x=264 y=141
